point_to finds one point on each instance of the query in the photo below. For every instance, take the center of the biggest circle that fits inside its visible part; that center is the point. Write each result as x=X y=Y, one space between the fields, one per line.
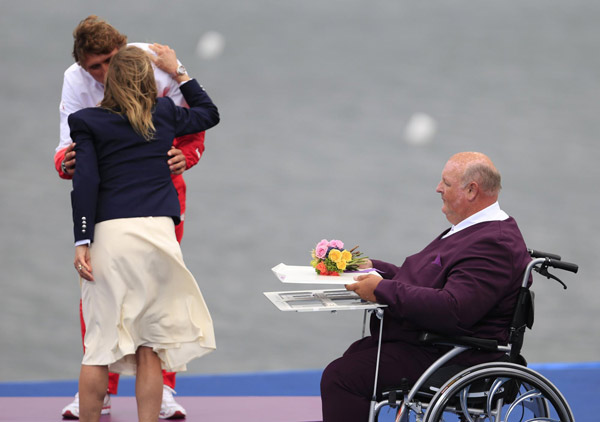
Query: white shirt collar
x=491 y=213
x=91 y=81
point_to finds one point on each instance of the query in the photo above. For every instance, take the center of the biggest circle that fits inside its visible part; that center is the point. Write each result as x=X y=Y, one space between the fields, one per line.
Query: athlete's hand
x=69 y=160
x=177 y=163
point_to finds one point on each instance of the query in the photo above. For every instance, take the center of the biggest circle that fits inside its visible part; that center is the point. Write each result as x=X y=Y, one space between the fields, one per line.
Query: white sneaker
x=170 y=409
x=71 y=411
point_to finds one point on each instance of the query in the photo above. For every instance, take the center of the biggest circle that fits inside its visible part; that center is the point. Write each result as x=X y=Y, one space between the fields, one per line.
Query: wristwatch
x=181 y=70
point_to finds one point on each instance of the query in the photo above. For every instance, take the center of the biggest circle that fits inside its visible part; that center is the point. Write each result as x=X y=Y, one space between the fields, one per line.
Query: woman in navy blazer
x=142 y=307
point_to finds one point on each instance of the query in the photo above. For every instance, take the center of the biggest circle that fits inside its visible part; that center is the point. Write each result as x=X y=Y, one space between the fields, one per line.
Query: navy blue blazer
x=121 y=175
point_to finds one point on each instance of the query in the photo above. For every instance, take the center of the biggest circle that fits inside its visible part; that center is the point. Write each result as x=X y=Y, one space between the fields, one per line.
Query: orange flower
x=321 y=268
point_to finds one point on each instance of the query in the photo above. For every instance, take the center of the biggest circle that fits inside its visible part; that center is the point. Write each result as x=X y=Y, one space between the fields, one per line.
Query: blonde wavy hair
x=130 y=89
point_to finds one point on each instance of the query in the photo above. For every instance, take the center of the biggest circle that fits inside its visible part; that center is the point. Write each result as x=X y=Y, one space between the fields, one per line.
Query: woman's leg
x=113 y=379
x=93 y=381
x=148 y=384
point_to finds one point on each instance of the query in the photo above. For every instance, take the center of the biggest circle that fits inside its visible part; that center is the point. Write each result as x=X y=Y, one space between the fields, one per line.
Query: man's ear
x=472 y=191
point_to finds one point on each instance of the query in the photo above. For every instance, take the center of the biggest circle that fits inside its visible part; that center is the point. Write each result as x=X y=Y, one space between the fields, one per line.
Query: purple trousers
x=347 y=382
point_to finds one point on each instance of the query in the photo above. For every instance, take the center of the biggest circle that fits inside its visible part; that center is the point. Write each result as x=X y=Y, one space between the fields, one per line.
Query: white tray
x=307 y=275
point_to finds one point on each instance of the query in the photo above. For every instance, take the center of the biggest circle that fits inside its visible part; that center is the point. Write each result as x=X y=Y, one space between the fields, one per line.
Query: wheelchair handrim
x=497 y=369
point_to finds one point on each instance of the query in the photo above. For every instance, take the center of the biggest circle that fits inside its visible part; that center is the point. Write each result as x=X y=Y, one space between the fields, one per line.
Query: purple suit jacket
x=465 y=284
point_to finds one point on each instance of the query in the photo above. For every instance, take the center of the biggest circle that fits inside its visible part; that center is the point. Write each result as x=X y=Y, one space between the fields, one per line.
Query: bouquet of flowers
x=330 y=258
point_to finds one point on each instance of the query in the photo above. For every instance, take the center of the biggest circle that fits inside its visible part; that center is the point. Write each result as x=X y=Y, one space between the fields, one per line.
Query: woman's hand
x=82 y=262
x=166 y=59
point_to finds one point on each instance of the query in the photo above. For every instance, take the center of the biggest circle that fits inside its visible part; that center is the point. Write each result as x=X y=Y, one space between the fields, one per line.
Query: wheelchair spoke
x=464 y=405
x=495 y=389
x=527 y=396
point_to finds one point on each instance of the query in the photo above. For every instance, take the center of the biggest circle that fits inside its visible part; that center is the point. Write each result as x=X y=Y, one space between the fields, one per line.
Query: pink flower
x=337 y=244
x=321 y=249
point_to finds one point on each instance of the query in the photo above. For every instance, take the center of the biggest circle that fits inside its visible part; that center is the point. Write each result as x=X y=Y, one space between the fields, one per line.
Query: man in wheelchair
x=465 y=282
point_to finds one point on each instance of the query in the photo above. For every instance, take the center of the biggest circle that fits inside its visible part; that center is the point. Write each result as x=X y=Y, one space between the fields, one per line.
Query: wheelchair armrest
x=471 y=342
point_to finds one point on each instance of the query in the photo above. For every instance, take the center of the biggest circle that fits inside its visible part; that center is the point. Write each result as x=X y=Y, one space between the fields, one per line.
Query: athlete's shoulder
x=142 y=45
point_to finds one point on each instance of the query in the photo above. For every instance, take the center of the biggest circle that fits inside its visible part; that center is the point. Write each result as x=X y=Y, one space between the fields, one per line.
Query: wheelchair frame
x=462 y=394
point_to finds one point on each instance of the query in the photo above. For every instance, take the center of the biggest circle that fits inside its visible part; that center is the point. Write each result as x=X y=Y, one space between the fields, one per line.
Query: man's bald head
x=480 y=168
x=470 y=182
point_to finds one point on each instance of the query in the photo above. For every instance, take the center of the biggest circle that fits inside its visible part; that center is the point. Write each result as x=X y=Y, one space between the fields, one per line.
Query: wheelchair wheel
x=498 y=392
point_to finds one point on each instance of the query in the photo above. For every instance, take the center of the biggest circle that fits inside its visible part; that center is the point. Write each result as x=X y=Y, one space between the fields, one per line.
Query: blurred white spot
x=420 y=129
x=210 y=45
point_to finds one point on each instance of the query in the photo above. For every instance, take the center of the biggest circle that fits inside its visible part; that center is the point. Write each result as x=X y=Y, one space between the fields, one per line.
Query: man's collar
x=491 y=213
x=89 y=77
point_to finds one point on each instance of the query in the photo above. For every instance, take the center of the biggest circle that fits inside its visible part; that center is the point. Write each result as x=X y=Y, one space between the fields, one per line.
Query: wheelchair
x=499 y=391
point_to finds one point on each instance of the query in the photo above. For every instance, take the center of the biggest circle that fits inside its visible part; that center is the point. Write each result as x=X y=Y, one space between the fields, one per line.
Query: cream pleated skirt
x=143 y=295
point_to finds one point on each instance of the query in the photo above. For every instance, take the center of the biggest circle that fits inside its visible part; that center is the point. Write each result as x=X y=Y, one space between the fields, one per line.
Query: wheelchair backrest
x=522 y=319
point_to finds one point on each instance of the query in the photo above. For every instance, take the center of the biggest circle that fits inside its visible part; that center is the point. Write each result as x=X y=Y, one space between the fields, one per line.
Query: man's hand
x=365 y=286
x=367 y=263
x=177 y=163
x=68 y=163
